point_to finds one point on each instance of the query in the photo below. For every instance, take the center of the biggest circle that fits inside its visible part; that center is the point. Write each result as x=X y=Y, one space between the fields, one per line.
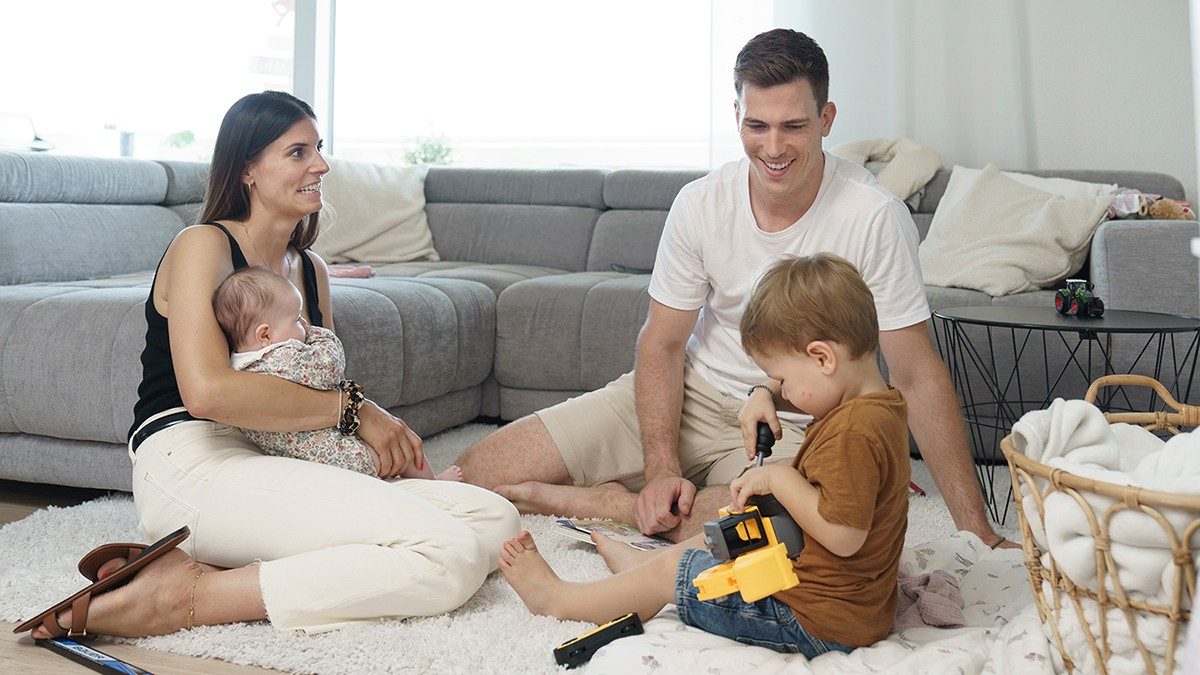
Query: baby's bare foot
x=618 y=556
x=529 y=574
x=453 y=473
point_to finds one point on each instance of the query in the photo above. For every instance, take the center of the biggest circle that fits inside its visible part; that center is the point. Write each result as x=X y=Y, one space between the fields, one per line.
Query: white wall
x=1071 y=84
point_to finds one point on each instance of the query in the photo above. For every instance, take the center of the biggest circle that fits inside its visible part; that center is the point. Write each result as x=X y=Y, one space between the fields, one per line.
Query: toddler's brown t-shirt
x=857 y=458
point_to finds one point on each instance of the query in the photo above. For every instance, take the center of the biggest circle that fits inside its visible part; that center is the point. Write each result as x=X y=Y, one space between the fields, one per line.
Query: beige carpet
x=491 y=633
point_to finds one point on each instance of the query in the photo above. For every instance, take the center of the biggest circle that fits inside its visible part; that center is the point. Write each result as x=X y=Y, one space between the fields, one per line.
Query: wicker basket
x=1056 y=596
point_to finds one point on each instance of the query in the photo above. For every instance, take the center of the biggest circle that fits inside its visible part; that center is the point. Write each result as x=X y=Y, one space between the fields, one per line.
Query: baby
x=260 y=314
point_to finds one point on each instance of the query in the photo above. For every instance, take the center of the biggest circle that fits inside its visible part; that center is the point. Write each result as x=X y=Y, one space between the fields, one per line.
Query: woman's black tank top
x=159 y=389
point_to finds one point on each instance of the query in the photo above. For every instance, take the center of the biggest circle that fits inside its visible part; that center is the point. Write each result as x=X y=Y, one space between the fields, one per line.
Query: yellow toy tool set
x=757 y=543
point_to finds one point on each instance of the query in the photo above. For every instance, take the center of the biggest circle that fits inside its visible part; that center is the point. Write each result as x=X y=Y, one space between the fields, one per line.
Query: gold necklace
x=254 y=247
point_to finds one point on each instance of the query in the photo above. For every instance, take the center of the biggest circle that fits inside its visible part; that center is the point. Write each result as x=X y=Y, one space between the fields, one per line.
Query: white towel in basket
x=1075 y=437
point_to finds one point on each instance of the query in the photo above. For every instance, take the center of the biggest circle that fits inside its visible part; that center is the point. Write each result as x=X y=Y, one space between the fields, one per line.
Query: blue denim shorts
x=767 y=623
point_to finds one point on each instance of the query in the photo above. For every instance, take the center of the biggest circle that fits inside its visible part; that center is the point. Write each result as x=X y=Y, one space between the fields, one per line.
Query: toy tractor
x=1077 y=299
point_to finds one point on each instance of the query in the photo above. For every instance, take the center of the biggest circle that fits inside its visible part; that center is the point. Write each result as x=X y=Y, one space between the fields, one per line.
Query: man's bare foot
x=155 y=602
x=524 y=496
x=453 y=473
x=529 y=574
x=618 y=556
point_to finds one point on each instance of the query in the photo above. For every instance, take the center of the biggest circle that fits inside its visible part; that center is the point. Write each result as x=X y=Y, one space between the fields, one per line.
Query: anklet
x=192 y=601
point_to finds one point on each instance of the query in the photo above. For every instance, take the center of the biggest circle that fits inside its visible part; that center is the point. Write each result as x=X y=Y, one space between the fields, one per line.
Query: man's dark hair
x=781 y=56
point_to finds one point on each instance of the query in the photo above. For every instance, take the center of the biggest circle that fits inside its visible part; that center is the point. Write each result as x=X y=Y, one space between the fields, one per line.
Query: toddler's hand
x=756 y=481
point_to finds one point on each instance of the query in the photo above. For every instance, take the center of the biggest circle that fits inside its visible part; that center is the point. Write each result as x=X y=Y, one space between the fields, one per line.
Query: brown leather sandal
x=80 y=601
x=90 y=564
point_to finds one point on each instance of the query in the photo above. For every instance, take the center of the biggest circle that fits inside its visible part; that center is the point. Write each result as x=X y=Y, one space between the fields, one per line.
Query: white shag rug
x=493 y=632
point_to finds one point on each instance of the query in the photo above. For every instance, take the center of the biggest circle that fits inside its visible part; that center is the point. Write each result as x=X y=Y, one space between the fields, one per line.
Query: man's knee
x=519 y=452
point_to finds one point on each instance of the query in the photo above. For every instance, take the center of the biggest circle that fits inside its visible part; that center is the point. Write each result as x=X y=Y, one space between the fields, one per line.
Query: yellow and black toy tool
x=575 y=653
x=757 y=543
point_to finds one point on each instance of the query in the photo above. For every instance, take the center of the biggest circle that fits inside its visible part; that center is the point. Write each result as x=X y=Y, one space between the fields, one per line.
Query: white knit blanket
x=1075 y=437
x=909 y=165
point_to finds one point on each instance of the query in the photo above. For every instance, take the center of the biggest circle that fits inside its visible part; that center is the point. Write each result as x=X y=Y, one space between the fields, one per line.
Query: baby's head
x=811 y=325
x=256 y=307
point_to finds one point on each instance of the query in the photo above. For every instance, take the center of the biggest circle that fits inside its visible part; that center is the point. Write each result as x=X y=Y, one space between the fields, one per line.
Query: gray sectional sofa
x=524 y=311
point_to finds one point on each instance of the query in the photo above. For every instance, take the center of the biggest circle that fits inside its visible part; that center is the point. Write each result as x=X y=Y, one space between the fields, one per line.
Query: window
x=138 y=78
x=540 y=82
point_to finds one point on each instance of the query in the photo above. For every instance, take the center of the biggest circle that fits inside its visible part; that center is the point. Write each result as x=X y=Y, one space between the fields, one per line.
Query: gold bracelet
x=192 y=600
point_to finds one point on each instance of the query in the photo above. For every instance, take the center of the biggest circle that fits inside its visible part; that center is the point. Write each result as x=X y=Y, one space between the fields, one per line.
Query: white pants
x=339 y=546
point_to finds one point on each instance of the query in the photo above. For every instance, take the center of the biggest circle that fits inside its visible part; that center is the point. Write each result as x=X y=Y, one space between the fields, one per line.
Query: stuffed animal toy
x=1169 y=209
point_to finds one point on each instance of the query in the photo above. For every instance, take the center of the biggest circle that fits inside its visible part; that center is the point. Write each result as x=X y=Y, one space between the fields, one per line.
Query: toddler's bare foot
x=155 y=602
x=529 y=574
x=453 y=473
x=618 y=556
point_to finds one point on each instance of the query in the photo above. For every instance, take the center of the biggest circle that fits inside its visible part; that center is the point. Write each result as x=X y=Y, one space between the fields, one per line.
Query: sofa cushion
x=1005 y=237
x=550 y=187
x=65 y=242
x=495 y=277
x=572 y=332
x=186 y=182
x=627 y=238
x=645 y=190
x=1146 y=181
x=70 y=361
x=513 y=234
x=42 y=178
x=941 y=297
x=374 y=212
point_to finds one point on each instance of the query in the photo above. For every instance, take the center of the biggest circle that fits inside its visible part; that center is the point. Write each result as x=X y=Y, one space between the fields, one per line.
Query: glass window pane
x=142 y=78
x=534 y=83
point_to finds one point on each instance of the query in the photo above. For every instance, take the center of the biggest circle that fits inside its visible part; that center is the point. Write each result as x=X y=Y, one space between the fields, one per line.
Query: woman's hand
x=756 y=481
x=760 y=407
x=397 y=446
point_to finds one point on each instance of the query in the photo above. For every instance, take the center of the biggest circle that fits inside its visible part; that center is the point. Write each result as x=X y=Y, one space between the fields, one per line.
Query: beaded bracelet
x=348 y=424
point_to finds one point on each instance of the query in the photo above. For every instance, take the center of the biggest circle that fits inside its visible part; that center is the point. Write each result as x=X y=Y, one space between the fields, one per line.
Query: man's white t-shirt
x=712 y=252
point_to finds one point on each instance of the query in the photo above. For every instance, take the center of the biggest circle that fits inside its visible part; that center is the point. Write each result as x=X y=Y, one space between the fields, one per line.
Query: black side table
x=1006 y=361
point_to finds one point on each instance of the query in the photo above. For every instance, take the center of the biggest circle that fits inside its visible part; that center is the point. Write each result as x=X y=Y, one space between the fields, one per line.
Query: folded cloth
x=931 y=599
x=351 y=271
x=910 y=165
x=1075 y=427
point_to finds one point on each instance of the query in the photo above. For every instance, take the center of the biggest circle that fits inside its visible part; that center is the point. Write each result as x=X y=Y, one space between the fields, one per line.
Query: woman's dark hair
x=251 y=124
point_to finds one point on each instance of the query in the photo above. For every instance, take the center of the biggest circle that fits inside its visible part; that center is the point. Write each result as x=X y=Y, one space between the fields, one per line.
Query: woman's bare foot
x=453 y=473
x=155 y=602
x=529 y=574
x=619 y=557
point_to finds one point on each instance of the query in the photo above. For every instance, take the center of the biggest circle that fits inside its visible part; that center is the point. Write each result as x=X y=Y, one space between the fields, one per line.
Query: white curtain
x=947 y=73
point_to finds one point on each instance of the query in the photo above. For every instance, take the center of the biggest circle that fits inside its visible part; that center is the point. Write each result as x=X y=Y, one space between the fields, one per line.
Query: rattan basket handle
x=1184 y=415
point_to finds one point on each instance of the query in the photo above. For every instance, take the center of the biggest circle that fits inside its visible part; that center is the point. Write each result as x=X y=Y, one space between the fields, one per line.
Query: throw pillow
x=1004 y=237
x=962 y=178
x=374 y=213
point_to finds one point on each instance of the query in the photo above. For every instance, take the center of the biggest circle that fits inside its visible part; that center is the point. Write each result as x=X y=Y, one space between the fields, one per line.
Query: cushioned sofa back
x=638 y=200
x=1146 y=181
x=70 y=218
x=538 y=217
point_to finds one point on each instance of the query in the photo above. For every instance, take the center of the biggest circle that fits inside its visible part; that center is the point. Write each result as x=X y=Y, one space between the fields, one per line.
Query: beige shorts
x=600 y=441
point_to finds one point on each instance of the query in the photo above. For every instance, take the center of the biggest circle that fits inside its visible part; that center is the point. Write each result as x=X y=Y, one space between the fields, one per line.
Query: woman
x=342 y=547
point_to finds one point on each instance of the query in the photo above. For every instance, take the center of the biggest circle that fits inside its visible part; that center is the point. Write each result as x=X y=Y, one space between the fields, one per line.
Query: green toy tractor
x=1077 y=299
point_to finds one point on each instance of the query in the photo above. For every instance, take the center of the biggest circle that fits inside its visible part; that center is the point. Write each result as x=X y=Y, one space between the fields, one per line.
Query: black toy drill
x=757 y=543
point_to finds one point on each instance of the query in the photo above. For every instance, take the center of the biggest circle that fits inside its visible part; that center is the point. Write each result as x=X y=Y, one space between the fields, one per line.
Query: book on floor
x=581 y=529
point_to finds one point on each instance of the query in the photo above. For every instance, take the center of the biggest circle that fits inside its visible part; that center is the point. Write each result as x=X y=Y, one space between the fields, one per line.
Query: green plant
x=429 y=150
x=181 y=139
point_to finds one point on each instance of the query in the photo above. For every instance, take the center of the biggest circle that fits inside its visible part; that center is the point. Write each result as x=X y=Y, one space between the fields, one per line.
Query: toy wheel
x=1062 y=300
x=1074 y=308
x=1095 y=307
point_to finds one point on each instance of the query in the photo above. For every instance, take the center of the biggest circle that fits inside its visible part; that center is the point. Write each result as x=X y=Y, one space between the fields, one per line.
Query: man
x=635 y=450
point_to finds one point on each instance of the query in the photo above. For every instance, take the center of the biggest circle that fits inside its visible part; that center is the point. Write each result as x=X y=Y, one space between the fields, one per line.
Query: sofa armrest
x=1146 y=265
